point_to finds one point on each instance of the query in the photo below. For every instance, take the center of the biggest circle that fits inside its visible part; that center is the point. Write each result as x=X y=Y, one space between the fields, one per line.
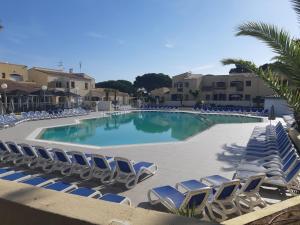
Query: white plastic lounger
x=30 y=155
x=248 y=196
x=4 y=152
x=271 y=171
x=45 y=160
x=63 y=162
x=175 y=200
x=81 y=165
x=103 y=167
x=290 y=181
x=16 y=154
x=129 y=173
x=220 y=203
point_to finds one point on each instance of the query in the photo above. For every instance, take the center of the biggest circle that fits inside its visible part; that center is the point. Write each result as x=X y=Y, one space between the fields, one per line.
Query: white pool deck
x=214 y=151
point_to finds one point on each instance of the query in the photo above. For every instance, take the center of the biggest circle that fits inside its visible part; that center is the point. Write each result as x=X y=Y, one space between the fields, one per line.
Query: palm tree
x=287 y=59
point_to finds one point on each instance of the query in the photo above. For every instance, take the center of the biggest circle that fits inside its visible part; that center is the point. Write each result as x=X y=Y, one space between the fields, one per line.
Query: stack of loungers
x=11 y=120
x=270 y=158
x=236 y=110
x=271 y=151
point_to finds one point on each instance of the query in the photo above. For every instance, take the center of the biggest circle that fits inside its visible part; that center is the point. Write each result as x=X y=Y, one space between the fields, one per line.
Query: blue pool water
x=138 y=128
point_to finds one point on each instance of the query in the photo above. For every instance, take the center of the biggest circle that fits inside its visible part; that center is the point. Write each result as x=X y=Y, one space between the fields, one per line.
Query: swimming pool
x=139 y=128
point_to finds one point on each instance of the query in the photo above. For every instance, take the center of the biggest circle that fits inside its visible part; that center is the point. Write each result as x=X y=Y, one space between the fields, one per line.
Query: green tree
x=151 y=81
x=120 y=85
x=287 y=59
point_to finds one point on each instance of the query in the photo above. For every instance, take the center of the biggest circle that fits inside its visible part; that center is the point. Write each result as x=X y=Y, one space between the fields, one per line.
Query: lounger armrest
x=170 y=202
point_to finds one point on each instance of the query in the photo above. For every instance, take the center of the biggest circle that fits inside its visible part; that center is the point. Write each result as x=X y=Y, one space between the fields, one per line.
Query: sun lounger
x=129 y=173
x=103 y=167
x=221 y=201
x=176 y=201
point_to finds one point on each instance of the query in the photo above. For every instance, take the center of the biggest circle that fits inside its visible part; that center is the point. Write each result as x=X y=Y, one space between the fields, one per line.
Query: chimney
x=71 y=70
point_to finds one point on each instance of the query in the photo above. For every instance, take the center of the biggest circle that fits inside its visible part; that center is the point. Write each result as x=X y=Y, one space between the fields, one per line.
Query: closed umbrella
x=11 y=106
x=1 y=108
x=272 y=114
x=27 y=104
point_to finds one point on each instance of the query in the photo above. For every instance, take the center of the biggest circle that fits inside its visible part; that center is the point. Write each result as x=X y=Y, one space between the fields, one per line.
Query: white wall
x=104 y=106
x=280 y=105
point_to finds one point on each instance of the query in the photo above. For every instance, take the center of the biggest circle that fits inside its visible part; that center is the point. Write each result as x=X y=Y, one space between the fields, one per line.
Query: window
x=207 y=97
x=236 y=83
x=72 y=84
x=186 y=97
x=16 y=77
x=3 y=75
x=58 y=84
x=86 y=86
x=248 y=83
x=215 y=98
x=68 y=85
x=247 y=97
x=186 y=84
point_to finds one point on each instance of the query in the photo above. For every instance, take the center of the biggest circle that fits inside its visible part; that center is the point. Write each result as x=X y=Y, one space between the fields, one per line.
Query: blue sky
x=120 y=39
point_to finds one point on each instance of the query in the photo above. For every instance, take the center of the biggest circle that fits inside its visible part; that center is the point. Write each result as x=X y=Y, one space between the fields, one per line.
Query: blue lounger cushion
x=3 y=170
x=83 y=191
x=113 y=198
x=15 y=176
x=193 y=184
x=35 y=181
x=58 y=186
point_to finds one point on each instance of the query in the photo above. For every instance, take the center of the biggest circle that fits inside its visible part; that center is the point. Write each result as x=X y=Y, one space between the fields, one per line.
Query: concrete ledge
x=28 y=205
x=263 y=215
x=295 y=136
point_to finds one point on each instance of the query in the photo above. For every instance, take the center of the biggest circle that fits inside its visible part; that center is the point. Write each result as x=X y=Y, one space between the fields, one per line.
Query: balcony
x=207 y=88
x=220 y=85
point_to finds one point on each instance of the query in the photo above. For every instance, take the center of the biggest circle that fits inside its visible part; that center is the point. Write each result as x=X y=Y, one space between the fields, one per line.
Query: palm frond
x=279 y=41
x=296 y=6
x=291 y=95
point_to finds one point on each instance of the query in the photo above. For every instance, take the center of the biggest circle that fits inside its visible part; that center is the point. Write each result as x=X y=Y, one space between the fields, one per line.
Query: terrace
x=210 y=156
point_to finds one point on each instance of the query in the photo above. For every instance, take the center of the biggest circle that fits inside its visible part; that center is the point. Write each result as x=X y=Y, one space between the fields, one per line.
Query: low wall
x=265 y=215
x=28 y=205
x=295 y=136
x=280 y=106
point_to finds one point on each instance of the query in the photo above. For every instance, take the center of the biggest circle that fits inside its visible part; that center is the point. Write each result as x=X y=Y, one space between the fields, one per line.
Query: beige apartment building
x=184 y=85
x=243 y=89
x=14 y=72
x=77 y=83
